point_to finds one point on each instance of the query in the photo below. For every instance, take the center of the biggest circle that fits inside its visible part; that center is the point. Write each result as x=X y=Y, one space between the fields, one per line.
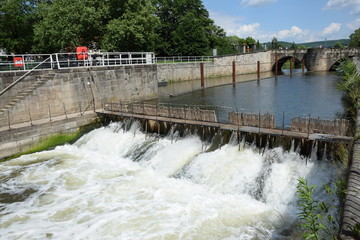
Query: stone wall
x=221 y=66
x=351 y=214
x=77 y=90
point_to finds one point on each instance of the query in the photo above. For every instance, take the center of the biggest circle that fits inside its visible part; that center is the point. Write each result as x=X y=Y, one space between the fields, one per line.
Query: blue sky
x=287 y=20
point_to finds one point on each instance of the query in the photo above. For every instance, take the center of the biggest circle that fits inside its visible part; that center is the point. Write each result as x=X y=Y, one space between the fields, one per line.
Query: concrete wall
x=76 y=90
x=221 y=66
x=26 y=136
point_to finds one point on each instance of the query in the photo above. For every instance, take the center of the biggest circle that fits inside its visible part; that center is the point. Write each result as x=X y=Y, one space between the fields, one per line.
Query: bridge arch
x=337 y=62
x=281 y=61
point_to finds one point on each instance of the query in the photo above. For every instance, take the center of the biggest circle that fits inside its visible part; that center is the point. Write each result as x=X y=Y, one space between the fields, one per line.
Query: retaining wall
x=352 y=202
x=221 y=66
x=77 y=90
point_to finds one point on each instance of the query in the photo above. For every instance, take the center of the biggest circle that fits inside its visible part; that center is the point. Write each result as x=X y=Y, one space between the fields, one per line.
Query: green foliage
x=134 y=30
x=355 y=230
x=355 y=38
x=315 y=220
x=338 y=45
x=67 y=24
x=350 y=83
x=16 y=20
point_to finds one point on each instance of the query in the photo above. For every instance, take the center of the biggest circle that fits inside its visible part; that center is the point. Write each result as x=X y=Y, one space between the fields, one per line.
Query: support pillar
x=303 y=66
x=258 y=70
x=202 y=75
x=291 y=66
x=276 y=63
x=234 y=72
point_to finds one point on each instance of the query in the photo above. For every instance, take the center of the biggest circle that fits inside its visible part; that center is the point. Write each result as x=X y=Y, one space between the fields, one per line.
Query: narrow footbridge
x=264 y=124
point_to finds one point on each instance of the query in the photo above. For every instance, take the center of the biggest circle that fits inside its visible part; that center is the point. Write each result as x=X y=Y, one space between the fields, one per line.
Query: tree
x=274 y=43
x=134 y=30
x=185 y=28
x=67 y=24
x=16 y=20
x=338 y=45
x=293 y=46
x=355 y=39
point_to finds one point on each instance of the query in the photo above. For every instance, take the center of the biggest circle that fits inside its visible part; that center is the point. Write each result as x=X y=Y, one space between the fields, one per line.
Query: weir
x=260 y=129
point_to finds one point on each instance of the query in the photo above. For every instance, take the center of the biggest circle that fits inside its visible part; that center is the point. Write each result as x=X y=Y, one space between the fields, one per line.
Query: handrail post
x=57 y=60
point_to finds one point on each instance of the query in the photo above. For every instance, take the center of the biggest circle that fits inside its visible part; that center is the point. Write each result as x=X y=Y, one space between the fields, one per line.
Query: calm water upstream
x=121 y=184
x=298 y=95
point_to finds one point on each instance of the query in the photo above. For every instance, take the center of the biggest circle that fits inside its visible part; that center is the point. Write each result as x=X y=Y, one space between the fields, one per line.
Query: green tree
x=134 y=30
x=185 y=28
x=16 y=20
x=355 y=39
x=67 y=24
x=274 y=43
x=338 y=45
x=250 y=41
x=293 y=46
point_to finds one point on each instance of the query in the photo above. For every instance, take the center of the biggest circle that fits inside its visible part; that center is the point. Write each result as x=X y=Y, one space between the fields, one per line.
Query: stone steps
x=26 y=92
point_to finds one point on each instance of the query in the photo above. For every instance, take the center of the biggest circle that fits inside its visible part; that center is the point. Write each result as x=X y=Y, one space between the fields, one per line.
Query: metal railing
x=26 y=62
x=183 y=59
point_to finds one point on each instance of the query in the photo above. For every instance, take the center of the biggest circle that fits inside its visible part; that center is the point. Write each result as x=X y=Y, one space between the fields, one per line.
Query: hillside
x=327 y=43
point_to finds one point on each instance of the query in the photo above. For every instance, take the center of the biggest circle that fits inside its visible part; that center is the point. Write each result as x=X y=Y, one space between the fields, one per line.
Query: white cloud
x=332 y=28
x=354 y=24
x=293 y=32
x=257 y=2
x=354 y=4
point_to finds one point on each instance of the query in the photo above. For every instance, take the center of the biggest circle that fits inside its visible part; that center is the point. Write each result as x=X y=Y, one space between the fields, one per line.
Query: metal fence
x=26 y=62
x=304 y=123
x=183 y=59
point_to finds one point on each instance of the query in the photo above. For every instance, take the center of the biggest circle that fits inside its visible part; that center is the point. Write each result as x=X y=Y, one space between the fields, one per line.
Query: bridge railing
x=241 y=117
x=25 y=62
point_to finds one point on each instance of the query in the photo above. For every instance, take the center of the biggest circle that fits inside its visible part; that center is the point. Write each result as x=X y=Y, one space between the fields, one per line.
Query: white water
x=115 y=184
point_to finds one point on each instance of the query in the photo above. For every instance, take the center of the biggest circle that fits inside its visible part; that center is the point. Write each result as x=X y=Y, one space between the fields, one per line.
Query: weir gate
x=257 y=128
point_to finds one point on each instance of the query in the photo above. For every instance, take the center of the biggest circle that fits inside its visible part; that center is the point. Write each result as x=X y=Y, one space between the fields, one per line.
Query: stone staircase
x=26 y=92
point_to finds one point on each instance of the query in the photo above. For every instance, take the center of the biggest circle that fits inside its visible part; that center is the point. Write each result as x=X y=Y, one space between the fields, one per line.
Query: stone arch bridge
x=314 y=59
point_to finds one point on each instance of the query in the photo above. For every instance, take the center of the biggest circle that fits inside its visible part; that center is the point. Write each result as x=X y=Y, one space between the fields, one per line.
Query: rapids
x=122 y=184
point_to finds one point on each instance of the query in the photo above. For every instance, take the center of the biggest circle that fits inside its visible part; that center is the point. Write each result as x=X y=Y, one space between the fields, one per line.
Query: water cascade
x=117 y=182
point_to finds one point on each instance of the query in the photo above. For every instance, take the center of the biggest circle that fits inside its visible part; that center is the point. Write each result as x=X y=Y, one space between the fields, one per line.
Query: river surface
x=118 y=183
x=313 y=94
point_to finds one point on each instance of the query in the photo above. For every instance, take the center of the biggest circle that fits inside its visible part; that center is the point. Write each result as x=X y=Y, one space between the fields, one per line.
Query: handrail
x=22 y=77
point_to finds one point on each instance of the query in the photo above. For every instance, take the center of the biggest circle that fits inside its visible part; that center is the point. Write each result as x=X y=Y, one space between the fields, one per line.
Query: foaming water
x=116 y=184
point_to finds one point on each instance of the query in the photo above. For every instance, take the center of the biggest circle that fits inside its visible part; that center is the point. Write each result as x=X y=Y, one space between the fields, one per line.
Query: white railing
x=183 y=59
x=25 y=62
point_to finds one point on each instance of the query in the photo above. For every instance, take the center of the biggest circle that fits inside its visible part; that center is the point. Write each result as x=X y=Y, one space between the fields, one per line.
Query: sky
x=296 y=21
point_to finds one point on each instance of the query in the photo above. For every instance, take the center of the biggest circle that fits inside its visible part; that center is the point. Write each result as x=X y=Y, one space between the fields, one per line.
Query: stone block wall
x=76 y=90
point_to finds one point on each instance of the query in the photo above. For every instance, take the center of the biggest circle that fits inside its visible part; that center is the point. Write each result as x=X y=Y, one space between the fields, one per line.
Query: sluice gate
x=306 y=134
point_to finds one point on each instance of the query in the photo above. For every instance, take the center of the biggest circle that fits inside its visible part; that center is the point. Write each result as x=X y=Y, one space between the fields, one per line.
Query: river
x=122 y=184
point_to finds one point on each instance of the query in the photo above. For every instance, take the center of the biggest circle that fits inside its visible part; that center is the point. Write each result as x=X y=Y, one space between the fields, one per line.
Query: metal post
x=57 y=60
x=234 y=72
x=283 y=123
x=30 y=117
x=291 y=63
x=276 y=63
x=202 y=75
x=303 y=66
x=24 y=64
x=309 y=126
x=80 y=107
x=259 y=121
x=49 y=113
x=258 y=70
x=65 y=111
x=9 y=118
